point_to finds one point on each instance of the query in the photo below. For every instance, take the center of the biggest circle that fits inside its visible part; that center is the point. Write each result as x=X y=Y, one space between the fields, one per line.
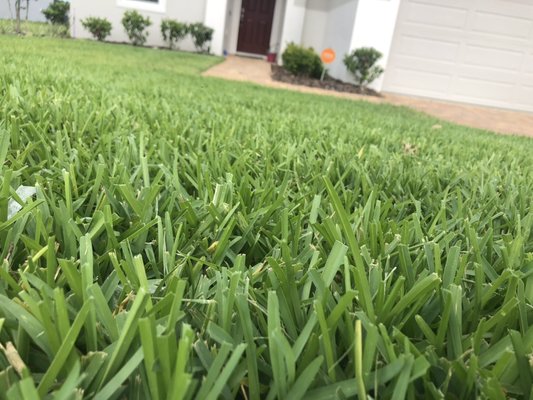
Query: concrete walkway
x=492 y=119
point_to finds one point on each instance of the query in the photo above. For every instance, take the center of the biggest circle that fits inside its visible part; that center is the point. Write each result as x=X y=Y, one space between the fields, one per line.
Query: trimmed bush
x=173 y=31
x=57 y=12
x=135 y=26
x=361 y=63
x=201 y=35
x=100 y=28
x=302 y=61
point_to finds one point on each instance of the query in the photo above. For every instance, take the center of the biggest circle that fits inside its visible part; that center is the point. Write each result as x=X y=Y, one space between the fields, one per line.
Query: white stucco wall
x=316 y=20
x=330 y=24
x=231 y=33
x=277 y=26
x=374 y=27
x=293 y=23
x=181 y=10
x=215 y=17
x=339 y=32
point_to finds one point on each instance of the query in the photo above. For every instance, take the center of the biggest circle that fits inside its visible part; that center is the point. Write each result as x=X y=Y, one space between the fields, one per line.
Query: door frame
x=233 y=24
x=251 y=43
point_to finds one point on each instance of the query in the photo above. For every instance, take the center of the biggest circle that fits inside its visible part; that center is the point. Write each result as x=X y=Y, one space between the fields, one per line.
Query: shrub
x=135 y=25
x=57 y=12
x=100 y=28
x=173 y=31
x=361 y=63
x=303 y=61
x=201 y=35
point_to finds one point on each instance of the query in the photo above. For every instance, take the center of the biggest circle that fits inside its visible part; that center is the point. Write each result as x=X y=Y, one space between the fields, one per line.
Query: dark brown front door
x=255 y=26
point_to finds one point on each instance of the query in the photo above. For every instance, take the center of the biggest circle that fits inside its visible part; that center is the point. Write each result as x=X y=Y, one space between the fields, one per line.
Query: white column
x=293 y=23
x=374 y=27
x=215 y=17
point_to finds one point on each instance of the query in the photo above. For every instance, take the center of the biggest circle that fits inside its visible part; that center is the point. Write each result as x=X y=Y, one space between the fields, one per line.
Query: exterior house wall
x=232 y=26
x=338 y=34
x=293 y=23
x=374 y=27
x=181 y=10
x=34 y=13
x=277 y=26
x=345 y=25
x=215 y=18
x=329 y=23
x=316 y=20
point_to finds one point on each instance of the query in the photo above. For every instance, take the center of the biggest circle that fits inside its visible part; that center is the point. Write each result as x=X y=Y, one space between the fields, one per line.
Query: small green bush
x=100 y=28
x=201 y=35
x=361 y=63
x=173 y=31
x=57 y=12
x=302 y=61
x=135 y=25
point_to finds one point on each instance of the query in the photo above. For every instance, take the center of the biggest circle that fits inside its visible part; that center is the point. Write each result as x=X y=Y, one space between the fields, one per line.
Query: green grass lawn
x=192 y=238
x=33 y=29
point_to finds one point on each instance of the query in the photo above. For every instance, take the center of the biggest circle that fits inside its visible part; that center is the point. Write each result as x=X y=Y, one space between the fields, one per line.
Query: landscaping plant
x=173 y=31
x=135 y=26
x=201 y=35
x=100 y=28
x=361 y=63
x=303 y=61
x=169 y=236
x=57 y=12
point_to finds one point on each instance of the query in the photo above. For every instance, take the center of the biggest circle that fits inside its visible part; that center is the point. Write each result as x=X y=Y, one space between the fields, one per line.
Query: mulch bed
x=282 y=75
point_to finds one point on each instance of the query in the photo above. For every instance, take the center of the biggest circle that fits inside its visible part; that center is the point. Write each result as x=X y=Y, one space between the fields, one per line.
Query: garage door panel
x=429 y=32
x=526 y=80
x=493 y=40
x=424 y=65
x=426 y=48
x=514 y=27
x=523 y=95
x=427 y=81
x=478 y=51
x=460 y=4
x=528 y=63
x=508 y=8
x=493 y=57
x=482 y=90
x=436 y=15
x=486 y=73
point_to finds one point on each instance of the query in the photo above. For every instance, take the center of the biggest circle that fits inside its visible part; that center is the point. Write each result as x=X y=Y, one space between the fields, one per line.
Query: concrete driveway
x=491 y=119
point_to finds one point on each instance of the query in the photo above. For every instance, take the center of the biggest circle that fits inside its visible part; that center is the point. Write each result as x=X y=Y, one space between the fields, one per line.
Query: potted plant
x=272 y=55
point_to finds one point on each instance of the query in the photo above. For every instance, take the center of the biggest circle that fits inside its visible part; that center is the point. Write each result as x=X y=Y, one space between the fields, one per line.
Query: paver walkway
x=493 y=119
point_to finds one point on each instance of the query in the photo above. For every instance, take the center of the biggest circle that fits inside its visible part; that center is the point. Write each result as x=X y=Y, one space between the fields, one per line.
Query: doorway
x=255 y=26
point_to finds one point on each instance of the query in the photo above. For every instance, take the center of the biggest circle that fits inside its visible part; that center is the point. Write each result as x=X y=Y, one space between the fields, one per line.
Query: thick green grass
x=193 y=238
x=34 y=29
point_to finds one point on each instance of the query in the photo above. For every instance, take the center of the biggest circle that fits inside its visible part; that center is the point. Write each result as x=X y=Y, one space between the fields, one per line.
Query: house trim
x=159 y=7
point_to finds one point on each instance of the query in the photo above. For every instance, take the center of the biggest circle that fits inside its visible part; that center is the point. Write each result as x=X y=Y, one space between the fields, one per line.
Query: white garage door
x=474 y=51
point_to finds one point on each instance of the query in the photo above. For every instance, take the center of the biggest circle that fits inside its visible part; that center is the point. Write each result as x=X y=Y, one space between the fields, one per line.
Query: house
x=473 y=51
x=7 y=9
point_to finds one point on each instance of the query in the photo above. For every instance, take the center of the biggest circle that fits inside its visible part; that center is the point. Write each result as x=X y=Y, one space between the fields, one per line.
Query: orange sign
x=328 y=56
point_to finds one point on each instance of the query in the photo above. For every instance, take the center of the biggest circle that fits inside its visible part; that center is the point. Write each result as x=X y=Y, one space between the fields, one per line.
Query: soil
x=329 y=83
